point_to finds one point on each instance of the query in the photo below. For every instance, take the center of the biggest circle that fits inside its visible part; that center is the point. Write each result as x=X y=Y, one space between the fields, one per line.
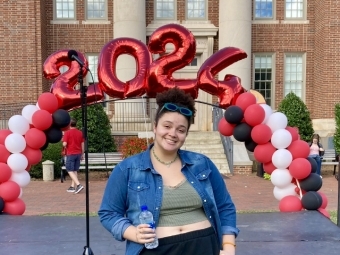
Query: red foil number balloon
x=161 y=70
x=228 y=89
x=107 y=62
x=63 y=86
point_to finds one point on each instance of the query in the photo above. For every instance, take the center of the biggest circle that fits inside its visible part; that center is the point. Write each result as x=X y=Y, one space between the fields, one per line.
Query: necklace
x=164 y=163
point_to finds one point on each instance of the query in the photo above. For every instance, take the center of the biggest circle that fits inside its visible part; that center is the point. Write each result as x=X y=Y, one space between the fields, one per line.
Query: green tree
x=98 y=129
x=336 y=140
x=298 y=115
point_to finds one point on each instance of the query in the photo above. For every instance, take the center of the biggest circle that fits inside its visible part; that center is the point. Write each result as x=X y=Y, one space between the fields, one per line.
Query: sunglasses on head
x=176 y=108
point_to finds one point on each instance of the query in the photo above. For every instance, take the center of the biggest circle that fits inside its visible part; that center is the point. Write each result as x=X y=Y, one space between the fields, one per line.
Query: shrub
x=98 y=129
x=336 y=140
x=134 y=145
x=52 y=153
x=298 y=115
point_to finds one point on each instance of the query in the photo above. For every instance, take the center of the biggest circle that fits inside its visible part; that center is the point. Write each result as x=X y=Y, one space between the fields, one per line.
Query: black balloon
x=312 y=183
x=61 y=118
x=53 y=134
x=242 y=132
x=2 y=204
x=233 y=114
x=311 y=200
x=313 y=163
x=44 y=147
x=250 y=145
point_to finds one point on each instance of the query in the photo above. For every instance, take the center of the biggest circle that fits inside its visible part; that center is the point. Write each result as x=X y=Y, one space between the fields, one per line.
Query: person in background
x=316 y=151
x=73 y=142
x=192 y=208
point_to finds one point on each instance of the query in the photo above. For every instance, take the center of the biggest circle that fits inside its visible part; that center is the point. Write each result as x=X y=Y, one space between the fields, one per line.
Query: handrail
x=226 y=141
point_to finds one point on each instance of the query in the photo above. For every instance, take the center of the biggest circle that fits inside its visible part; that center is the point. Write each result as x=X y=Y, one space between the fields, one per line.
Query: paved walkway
x=249 y=193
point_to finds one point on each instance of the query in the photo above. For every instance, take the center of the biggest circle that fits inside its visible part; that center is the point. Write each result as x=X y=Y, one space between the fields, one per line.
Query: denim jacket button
x=138 y=187
x=159 y=187
x=205 y=200
x=203 y=175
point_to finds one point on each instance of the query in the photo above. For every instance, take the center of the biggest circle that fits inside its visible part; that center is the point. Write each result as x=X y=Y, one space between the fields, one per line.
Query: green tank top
x=181 y=206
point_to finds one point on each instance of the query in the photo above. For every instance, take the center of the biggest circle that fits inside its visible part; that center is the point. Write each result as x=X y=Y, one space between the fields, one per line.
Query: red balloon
x=161 y=70
x=245 y=100
x=294 y=132
x=47 y=101
x=4 y=153
x=261 y=134
x=324 y=200
x=269 y=167
x=263 y=152
x=9 y=191
x=42 y=119
x=254 y=115
x=5 y=172
x=300 y=168
x=108 y=80
x=35 y=138
x=16 y=207
x=230 y=88
x=64 y=86
x=290 y=204
x=33 y=156
x=225 y=128
x=324 y=212
x=299 y=149
x=3 y=134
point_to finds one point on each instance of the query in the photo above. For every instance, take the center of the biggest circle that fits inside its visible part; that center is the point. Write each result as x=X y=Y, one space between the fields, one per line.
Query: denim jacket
x=134 y=182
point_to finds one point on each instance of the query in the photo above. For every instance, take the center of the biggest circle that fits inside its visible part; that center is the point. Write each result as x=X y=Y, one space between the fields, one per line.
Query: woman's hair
x=315 y=136
x=177 y=97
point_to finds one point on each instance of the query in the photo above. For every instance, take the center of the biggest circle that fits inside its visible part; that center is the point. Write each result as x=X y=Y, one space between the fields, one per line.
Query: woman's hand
x=145 y=234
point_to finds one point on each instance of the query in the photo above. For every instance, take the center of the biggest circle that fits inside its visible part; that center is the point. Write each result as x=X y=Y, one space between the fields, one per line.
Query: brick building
x=292 y=45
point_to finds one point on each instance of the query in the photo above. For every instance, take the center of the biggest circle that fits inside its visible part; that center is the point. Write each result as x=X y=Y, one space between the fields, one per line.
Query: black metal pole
x=338 y=179
x=83 y=96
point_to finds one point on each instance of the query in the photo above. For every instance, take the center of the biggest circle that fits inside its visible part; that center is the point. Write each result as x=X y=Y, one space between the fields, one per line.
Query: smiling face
x=170 y=132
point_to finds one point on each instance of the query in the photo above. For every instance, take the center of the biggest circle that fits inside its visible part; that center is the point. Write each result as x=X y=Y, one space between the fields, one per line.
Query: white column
x=129 y=21
x=235 y=30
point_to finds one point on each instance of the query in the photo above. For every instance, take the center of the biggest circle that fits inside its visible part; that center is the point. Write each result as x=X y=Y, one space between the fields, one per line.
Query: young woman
x=316 y=151
x=192 y=209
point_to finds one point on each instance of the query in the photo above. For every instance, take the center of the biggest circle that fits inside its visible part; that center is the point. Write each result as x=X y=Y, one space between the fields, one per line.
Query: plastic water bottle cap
x=144 y=208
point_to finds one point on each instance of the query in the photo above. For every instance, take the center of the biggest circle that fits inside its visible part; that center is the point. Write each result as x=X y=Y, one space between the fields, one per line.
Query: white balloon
x=281 y=139
x=18 y=124
x=280 y=193
x=22 y=178
x=20 y=195
x=15 y=143
x=17 y=162
x=282 y=158
x=267 y=110
x=28 y=111
x=37 y=105
x=276 y=121
x=281 y=178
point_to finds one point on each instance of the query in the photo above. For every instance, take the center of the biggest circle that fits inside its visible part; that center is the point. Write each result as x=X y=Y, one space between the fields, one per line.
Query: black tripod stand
x=83 y=96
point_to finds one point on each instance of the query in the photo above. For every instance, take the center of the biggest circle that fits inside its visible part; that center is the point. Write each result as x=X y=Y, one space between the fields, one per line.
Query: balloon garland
x=21 y=147
x=278 y=147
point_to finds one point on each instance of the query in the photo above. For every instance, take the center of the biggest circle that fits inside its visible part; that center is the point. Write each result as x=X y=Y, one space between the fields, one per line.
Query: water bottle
x=146 y=217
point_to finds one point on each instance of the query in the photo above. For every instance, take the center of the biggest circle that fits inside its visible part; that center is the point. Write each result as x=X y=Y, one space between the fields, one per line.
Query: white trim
x=205 y=11
x=167 y=20
x=64 y=19
x=64 y=22
x=296 y=21
x=105 y=18
x=96 y=22
x=261 y=21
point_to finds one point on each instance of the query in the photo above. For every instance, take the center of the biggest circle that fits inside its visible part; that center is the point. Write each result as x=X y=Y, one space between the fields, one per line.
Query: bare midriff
x=177 y=230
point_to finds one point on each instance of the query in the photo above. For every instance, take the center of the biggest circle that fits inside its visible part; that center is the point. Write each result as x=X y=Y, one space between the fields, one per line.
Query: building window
x=65 y=9
x=165 y=9
x=294 y=74
x=294 y=9
x=196 y=9
x=96 y=9
x=93 y=63
x=264 y=9
x=263 y=76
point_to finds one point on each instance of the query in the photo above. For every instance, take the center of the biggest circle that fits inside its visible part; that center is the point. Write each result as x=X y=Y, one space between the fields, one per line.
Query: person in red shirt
x=73 y=141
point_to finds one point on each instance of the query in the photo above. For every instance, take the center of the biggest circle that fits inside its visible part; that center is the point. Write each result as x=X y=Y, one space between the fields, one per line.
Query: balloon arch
x=275 y=145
